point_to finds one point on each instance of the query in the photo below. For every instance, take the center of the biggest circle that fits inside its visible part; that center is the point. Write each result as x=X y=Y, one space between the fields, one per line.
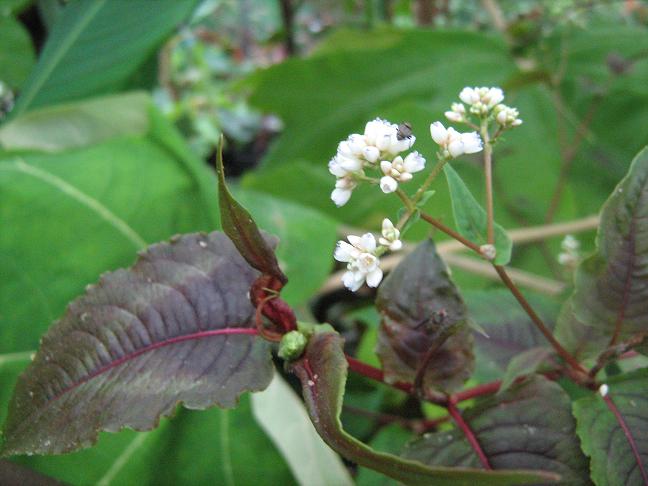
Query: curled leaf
x=323 y=372
x=177 y=327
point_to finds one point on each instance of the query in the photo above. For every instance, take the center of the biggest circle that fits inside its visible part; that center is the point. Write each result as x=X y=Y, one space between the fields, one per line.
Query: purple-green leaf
x=616 y=445
x=509 y=330
x=238 y=224
x=177 y=327
x=422 y=311
x=530 y=426
x=610 y=300
x=322 y=371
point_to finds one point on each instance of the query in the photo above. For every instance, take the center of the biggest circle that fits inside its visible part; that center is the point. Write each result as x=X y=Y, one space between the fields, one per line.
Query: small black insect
x=404 y=131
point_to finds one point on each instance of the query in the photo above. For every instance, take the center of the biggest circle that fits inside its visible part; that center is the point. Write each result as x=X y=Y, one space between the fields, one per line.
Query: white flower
x=342 y=166
x=507 y=116
x=344 y=186
x=488 y=252
x=390 y=236
x=362 y=263
x=454 y=143
x=481 y=100
x=400 y=170
x=383 y=135
x=570 y=255
x=457 y=113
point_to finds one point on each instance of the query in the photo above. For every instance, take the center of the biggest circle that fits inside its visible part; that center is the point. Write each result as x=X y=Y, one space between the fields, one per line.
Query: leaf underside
x=614 y=460
x=611 y=286
x=421 y=308
x=177 y=327
x=323 y=372
x=530 y=426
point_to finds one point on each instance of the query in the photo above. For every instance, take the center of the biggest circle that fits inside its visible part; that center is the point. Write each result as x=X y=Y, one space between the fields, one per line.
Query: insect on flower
x=404 y=131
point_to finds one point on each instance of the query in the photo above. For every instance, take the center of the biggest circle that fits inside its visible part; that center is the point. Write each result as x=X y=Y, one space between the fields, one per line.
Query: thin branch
x=564 y=354
x=488 y=181
x=450 y=232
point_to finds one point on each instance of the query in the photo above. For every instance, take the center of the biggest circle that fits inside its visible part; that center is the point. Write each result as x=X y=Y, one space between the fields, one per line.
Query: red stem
x=477 y=391
x=626 y=431
x=470 y=435
x=376 y=374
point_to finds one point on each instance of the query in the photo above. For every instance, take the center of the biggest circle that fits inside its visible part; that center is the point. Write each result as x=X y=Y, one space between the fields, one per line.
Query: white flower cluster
x=361 y=256
x=482 y=102
x=452 y=143
x=378 y=148
x=570 y=254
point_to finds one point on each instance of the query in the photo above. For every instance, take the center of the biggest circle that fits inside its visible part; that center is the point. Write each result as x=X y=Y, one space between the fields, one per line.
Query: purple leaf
x=610 y=301
x=178 y=327
x=323 y=371
x=529 y=426
x=424 y=318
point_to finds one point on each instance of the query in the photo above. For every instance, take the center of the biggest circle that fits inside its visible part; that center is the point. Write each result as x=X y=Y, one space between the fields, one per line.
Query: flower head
x=507 y=116
x=481 y=100
x=400 y=170
x=570 y=254
x=390 y=236
x=453 y=143
x=457 y=113
x=361 y=259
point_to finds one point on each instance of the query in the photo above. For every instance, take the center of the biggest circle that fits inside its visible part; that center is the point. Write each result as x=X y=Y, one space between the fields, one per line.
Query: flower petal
x=341 y=196
x=438 y=132
x=374 y=277
x=368 y=242
x=388 y=184
x=345 y=252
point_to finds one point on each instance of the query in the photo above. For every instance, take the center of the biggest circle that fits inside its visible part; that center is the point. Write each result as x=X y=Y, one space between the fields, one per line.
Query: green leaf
x=92 y=207
x=307 y=241
x=16 y=52
x=322 y=372
x=81 y=56
x=509 y=330
x=348 y=87
x=193 y=448
x=78 y=124
x=618 y=453
x=280 y=412
x=243 y=231
x=180 y=317
x=530 y=426
x=526 y=363
x=422 y=312
x=610 y=300
x=471 y=218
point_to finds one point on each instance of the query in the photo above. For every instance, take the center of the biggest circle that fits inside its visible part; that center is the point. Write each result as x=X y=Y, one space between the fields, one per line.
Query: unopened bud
x=488 y=252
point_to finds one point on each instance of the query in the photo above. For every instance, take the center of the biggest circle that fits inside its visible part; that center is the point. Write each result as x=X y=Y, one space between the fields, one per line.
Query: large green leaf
x=78 y=124
x=16 y=52
x=280 y=412
x=530 y=426
x=422 y=312
x=194 y=448
x=617 y=446
x=471 y=218
x=322 y=371
x=610 y=301
x=96 y=46
x=176 y=327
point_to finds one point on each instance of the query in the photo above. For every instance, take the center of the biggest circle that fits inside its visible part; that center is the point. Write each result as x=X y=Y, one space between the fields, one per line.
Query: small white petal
x=495 y=96
x=368 y=243
x=341 y=196
x=345 y=252
x=386 y=167
x=371 y=154
x=405 y=177
x=374 y=277
x=351 y=282
x=396 y=245
x=355 y=240
x=453 y=117
x=472 y=142
x=387 y=226
x=344 y=149
x=388 y=184
x=335 y=168
x=414 y=162
x=456 y=148
x=350 y=164
x=469 y=96
x=356 y=143
x=383 y=142
x=438 y=132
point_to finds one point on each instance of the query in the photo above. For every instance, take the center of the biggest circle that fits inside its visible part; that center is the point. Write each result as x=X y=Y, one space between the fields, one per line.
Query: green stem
x=488 y=173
